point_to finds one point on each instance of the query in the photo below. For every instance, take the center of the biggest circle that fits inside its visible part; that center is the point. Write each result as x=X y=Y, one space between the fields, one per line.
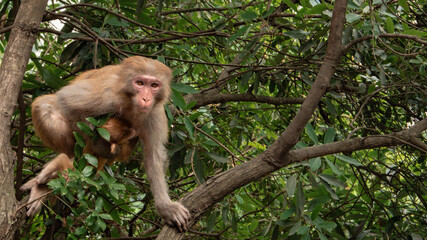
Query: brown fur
x=135 y=92
x=121 y=143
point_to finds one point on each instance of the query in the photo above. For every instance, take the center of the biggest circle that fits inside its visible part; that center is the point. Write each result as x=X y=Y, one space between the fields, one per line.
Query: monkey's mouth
x=144 y=109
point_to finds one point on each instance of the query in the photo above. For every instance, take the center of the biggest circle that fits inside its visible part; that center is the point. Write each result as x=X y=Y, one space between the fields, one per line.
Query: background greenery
x=273 y=50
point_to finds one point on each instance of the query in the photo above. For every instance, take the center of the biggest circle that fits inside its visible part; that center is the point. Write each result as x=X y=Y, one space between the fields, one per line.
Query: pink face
x=147 y=87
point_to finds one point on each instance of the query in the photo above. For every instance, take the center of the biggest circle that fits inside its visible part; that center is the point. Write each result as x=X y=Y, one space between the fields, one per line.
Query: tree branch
x=383 y=35
x=206 y=99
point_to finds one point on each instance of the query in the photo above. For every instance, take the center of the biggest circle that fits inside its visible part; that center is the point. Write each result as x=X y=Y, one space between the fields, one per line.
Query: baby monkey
x=122 y=141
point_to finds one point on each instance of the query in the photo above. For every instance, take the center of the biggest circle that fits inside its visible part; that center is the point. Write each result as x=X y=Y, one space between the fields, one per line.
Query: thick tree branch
x=333 y=53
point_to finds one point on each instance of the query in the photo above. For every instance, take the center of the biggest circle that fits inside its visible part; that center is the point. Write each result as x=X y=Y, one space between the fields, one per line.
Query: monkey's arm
x=154 y=137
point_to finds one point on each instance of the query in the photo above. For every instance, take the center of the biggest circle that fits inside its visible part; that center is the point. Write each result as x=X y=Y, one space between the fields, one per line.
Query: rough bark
x=276 y=156
x=16 y=56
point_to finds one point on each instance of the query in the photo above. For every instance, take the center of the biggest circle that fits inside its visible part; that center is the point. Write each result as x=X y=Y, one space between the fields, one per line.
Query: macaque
x=120 y=146
x=134 y=91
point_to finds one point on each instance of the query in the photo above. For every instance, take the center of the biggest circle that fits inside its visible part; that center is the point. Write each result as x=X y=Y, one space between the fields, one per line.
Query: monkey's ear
x=113 y=148
x=132 y=133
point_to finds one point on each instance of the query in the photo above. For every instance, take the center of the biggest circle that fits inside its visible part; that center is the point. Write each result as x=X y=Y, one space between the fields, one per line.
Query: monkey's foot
x=175 y=214
x=37 y=196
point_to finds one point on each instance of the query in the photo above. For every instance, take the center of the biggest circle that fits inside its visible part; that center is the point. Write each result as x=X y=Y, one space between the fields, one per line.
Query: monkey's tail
x=51 y=126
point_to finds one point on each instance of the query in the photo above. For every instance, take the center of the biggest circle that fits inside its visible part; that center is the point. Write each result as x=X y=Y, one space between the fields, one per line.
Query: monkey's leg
x=37 y=185
x=51 y=125
x=37 y=196
x=51 y=169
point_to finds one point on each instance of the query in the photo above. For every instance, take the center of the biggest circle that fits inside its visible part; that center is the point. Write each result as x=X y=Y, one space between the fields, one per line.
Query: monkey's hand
x=175 y=214
x=44 y=176
x=37 y=196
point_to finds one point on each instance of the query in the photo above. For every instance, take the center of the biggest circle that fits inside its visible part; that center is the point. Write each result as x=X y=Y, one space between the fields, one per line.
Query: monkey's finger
x=34 y=208
x=29 y=185
x=181 y=222
x=178 y=225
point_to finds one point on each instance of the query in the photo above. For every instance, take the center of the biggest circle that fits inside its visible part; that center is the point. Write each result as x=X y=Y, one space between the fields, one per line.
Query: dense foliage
x=241 y=71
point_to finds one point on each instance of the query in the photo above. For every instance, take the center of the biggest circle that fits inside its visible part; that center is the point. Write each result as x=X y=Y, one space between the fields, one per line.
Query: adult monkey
x=134 y=91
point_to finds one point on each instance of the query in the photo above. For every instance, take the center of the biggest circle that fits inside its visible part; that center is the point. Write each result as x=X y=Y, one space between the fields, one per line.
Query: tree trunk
x=16 y=56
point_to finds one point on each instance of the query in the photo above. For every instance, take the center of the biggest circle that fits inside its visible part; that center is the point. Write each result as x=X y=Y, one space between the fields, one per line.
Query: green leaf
x=389 y=25
x=98 y=204
x=329 y=135
x=239 y=33
x=315 y=163
x=318 y=9
x=178 y=100
x=300 y=197
x=294 y=228
x=332 y=180
x=113 y=21
x=298 y=34
x=248 y=15
x=199 y=168
x=181 y=87
x=80 y=230
x=92 y=160
x=103 y=119
x=101 y=224
x=211 y=221
x=218 y=158
x=115 y=216
x=310 y=131
x=302 y=230
x=79 y=139
x=334 y=168
x=286 y=214
x=118 y=186
x=322 y=224
x=254 y=225
x=51 y=79
x=348 y=159
x=291 y=185
x=93 y=121
x=84 y=128
x=87 y=171
x=105 y=216
x=352 y=17
x=329 y=189
x=244 y=81
x=322 y=237
x=291 y=5
x=107 y=178
x=404 y=5
x=189 y=126
x=103 y=133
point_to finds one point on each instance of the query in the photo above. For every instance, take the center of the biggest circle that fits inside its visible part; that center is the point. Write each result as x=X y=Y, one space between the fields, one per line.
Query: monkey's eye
x=139 y=82
x=154 y=85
